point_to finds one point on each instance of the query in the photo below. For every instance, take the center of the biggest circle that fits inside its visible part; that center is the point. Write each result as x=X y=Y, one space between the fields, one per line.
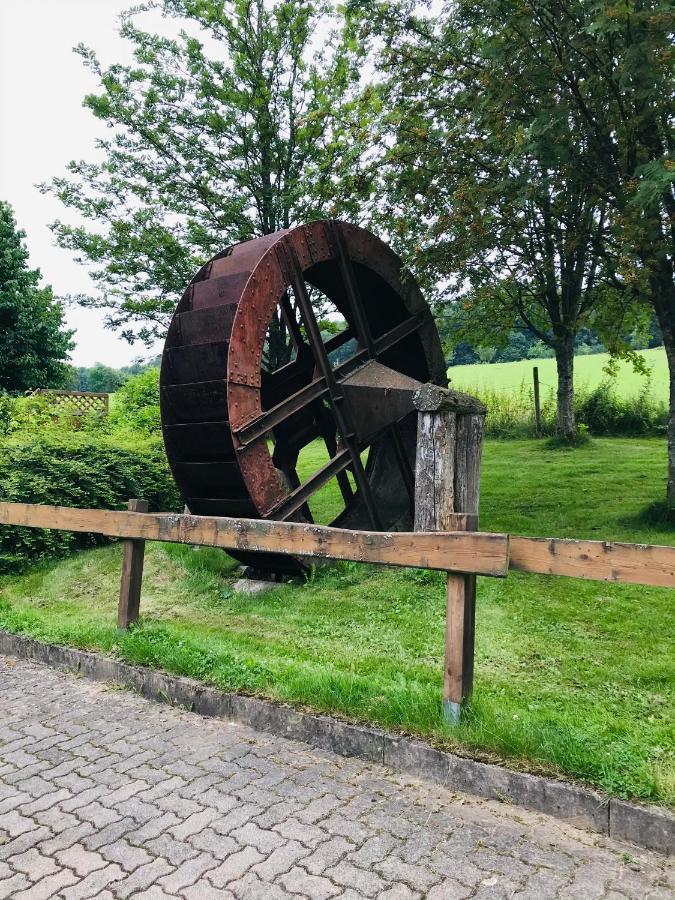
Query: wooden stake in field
x=447 y=483
x=132 y=574
x=537 y=402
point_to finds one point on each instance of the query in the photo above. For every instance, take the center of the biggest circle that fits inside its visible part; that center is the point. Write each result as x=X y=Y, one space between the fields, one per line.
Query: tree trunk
x=663 y=300
x=566 y=425
x=670 y=491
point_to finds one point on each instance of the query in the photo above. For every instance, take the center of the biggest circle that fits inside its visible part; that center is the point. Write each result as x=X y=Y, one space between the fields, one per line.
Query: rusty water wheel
x=233 y=431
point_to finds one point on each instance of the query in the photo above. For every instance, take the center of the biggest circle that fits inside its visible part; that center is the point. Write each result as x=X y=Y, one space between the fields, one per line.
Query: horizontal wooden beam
x=596 y=560
x=453 y=551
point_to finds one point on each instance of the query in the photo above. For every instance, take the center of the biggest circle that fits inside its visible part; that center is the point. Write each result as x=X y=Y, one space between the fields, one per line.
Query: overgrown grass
x=572 y=677
x=600 y=411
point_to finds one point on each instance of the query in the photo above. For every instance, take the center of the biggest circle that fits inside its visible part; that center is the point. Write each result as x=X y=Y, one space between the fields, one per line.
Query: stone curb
x=647 y=826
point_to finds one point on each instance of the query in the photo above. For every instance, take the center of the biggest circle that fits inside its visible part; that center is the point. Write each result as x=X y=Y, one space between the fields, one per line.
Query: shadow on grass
x=658 y=514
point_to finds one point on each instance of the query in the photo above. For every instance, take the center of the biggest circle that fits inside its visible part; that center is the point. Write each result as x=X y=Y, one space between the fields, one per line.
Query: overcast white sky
x=43 y=126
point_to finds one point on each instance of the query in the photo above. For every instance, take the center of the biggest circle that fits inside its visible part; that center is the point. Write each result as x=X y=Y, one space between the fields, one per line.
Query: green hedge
x=76 y=470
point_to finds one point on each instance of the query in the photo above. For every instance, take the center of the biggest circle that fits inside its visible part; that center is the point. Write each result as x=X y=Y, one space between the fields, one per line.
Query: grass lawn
x=572 y=677
x=588 y=372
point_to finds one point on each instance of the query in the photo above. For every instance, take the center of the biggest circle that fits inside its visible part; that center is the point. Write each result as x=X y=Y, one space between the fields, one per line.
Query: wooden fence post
x=132 y=574
x=537 y=402
x=447 y=482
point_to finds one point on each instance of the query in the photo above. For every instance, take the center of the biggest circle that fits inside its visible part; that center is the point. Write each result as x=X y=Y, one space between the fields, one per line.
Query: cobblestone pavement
x=105 y=794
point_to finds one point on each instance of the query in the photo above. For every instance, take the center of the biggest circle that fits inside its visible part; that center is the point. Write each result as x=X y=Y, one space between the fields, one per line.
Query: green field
x=573 y=678
x=588 y=372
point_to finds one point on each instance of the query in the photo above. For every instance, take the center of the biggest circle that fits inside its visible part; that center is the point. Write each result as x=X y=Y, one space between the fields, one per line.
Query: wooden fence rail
x=460 y=552
x=476 y=552
x=455 y=551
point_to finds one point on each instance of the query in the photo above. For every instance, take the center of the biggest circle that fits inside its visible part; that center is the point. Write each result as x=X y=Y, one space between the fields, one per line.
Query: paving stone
x=9 y=847
x=194 y=824
x=211 y=842
x=309 y=835
x=47 y=801
x=179 y=806
x=125 y=854
x=47 y=887
x=250 y=887
x=239 y=816
x=137 y=810
x=152 y=829
x=81 y=860
x=15 y=824
x=260 y=838
x=234 y=867
x=167 y=846
x=400 y=892
x=374 y=850
x=98 y=815
x=394 y=869
x=280 y=860
x=204 y=891
x=318 y=809
x=327 y=854
x=154 y=893
x=125 y=792
x=109 y=834
x=94 y=885
x=142 y=878
x=298 y=881
x=449 y=889
x=188 y=873
x=33 y=864
x=160 y=803
x=10 y=887
x=367 y=883
x=67 y=838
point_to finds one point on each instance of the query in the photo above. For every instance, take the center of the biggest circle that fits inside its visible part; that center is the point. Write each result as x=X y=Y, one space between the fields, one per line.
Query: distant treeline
x=524 y=345
x=104 y=379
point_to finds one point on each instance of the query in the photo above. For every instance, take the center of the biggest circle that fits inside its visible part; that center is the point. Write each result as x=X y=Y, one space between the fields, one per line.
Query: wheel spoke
x=407 y=473
x=328 y=433
x=289 y=261
x=318 y=387
x=291 y=321
x=364 y=336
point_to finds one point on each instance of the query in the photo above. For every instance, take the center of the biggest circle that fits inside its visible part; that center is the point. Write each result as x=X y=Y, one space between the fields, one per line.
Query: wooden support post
x=447 y=481
x=132 y=574
x=537 y=402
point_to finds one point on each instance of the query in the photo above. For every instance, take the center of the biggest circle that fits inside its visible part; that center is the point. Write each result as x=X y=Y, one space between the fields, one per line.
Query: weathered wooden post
x=447 y=484
x=132 y=574
x=537 y=402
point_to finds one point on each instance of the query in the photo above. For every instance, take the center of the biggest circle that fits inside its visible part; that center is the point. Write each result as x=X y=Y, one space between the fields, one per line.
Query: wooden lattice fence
x=76 y=403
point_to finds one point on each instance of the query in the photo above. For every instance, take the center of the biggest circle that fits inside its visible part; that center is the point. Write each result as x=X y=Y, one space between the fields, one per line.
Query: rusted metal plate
x=377 y=398
x=219 y=291
x=221 y=410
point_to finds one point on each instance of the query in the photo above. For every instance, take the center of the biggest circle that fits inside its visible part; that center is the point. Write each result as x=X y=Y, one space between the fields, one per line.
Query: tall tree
x=614 y=70
x=235 y=127
x=584 y=88
x=33 y=342
x=484 y=193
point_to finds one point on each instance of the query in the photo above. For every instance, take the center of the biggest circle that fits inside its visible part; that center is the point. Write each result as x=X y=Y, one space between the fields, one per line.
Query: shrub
x=76 y=470
x=603 y=411
x=6 y=413
x=136 y=404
